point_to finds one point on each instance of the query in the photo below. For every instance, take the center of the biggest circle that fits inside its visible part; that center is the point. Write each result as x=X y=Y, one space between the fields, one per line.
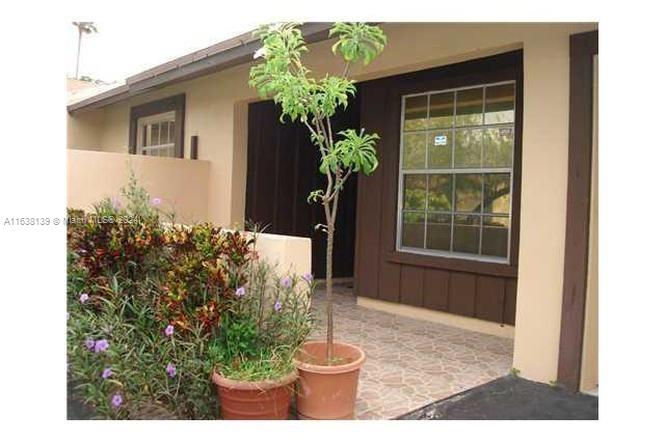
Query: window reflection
x=415 y=113
x=414 y=192
x=468 y=147
x=466 y=234
x=498 y=147
x=438 y=231
x=500 y=104
x=468 y=192
x=457 y=158
x=469 y=107
x=440 y=149
x=413 y=229
x=441 y=110
x=495 y=236
x=440 y=193
x=414 y=151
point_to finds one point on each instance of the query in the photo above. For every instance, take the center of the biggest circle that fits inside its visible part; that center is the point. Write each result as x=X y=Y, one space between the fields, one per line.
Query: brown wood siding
x=465 y=287
x=282 y=169
x=435 y=289
x=580 y=152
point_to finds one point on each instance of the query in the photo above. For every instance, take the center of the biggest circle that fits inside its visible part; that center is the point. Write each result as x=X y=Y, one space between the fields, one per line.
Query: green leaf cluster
x=282 y=75
x=358 y=41
x=355 y=151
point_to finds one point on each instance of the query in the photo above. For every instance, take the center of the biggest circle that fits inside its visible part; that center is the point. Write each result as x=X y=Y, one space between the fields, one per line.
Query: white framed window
x=456 y=172
x=156 y=135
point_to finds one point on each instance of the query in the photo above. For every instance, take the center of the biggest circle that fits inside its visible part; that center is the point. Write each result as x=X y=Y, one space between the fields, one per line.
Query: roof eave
x=218 y=57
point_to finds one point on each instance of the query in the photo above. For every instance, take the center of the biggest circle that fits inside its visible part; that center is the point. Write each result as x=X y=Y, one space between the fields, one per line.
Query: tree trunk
x=329 y=291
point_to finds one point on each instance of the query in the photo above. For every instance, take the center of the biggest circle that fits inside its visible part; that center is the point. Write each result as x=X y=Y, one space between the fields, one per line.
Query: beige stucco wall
x=543 y=215
x=289 y=254
x=211 y=102
x=84 y=130
x=181 y=184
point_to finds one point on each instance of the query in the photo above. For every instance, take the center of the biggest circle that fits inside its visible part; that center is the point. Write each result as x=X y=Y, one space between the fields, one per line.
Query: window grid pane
x=157 y=138
x=464 y=163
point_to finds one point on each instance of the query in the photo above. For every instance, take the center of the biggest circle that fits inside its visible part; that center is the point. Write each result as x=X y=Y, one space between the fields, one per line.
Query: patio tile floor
x=410 y=363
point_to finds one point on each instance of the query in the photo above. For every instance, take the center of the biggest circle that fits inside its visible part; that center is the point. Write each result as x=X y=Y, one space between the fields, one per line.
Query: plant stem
x=329 y=274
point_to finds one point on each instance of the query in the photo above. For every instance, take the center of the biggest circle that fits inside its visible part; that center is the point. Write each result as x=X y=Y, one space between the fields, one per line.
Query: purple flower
x=84 y=298
x=278 y=306
x=170 y=370
x=116 y=401
x=115 y=202
x=168 y=331
x=101 y=345
x=67 y=316
x=156 y=201
x=308 y=277
x=240 y=292
x=107 y=373
x=286 y=282
x=90 y=344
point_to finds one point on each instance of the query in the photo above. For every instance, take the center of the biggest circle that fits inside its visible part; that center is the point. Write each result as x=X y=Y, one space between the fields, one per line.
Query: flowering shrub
x=263 y=325
x=125 y=365
x=142 y=299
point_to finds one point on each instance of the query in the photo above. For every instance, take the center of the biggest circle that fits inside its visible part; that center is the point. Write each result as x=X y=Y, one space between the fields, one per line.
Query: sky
x=122 y=48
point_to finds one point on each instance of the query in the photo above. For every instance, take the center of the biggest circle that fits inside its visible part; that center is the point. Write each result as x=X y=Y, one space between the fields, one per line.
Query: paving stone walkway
x=411 y=363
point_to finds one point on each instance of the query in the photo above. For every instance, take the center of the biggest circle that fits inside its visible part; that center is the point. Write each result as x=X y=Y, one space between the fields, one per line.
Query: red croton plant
x=194 y=268
x=205 y=267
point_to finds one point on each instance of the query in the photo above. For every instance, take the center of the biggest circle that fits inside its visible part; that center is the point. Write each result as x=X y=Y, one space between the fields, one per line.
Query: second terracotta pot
x=324 y=391
x=254 y=400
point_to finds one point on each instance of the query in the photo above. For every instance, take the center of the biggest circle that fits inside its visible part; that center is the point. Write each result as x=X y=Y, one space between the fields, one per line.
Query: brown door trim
x=173 y=103
x=580 y=150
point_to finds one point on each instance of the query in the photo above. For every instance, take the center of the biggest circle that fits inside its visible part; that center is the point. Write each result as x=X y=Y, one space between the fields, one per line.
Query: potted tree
x=251 y=354
x=329 y=369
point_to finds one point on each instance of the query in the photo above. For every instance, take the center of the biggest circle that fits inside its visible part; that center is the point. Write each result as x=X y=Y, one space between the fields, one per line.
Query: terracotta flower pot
x=328 y=392
x=254 y=400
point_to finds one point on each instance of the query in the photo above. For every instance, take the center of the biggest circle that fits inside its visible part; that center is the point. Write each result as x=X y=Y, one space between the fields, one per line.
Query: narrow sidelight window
x=456 y=172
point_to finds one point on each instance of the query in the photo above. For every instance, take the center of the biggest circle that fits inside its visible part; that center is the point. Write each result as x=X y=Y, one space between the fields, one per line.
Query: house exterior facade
x=481 y=213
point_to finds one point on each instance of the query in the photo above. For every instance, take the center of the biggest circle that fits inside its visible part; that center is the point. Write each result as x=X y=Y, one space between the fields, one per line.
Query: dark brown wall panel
x=490 y=293
x=412 y=281
x=282 y=169
x=435 y=289
x=466 y=287
x=510 y=302
x=368 y=245
x=583 y=47
x=389 y=282
x=462 y=295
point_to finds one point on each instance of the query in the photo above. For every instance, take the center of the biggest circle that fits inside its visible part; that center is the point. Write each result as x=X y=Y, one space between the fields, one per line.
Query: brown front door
x=282 y=169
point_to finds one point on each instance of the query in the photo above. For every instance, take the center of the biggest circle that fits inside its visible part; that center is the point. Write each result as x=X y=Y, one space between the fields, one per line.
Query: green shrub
x=263 y=325
x=142 y=297
x=154 y=374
